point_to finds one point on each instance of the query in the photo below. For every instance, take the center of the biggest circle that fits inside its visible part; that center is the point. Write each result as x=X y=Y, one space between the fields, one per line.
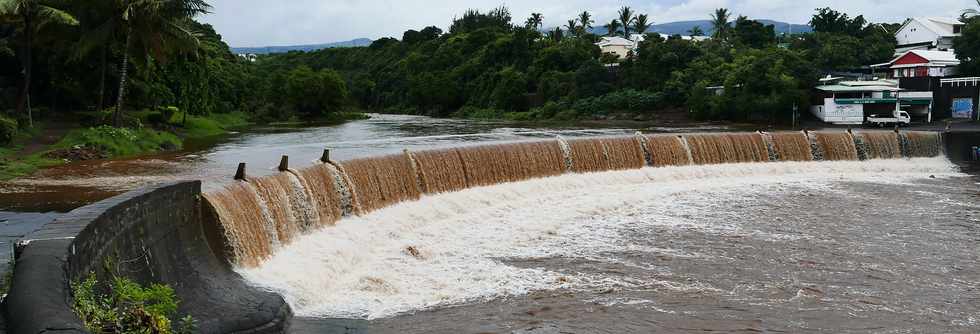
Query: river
x=214 y=161
x=878 y=246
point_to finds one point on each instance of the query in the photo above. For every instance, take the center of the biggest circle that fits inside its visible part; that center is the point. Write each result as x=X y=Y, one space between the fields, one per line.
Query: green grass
x=120 y=142
x=207 y=126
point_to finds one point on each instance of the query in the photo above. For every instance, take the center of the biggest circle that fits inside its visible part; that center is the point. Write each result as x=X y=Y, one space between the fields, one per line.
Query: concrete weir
x=152 y=235
x=174 y=234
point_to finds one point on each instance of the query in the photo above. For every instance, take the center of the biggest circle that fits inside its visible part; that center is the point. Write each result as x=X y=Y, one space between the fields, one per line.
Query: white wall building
x=622 y=46
x=927 y=33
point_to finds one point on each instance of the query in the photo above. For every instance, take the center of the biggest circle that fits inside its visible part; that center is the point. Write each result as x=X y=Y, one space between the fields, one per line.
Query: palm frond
x=51 y=14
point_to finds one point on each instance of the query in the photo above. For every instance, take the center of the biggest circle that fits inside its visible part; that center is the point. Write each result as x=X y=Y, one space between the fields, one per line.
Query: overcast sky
x=287 y=22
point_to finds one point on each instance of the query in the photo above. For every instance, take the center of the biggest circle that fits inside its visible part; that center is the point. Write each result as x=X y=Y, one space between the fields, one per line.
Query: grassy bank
x=26 y=154
x=157 y=131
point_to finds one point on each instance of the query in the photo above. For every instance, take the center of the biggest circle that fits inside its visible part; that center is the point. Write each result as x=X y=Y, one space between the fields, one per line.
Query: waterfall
x=566 y=152
x=441 y=171
x=259 y=215
x=245 y=221
x=668 y=150
x=379 y=182
x=879 y=145
x=325 y=194
x=834 y=146
x=493 y=164
x=624 y=152
x=792 y=146
x=770 y=146
x=727 y=148
x=587 y=156
x=647 y=157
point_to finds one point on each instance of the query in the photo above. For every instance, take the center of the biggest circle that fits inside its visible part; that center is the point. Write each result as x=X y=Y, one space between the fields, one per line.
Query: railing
x=957 y=81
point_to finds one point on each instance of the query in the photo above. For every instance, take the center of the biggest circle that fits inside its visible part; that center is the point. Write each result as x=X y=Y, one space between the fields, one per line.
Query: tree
x=315 y=93
x=626 y=19
x=640 y=24
x=535 y=21
x=585 y=18
x=556 y=35
x=719 y=23
x=969 y=13
x=967 y=46
x=612 y=28
x=832 y=21
x=753 y=33
x=572 y=27
x=32 y=14
x=696 y=31
x=153 y=29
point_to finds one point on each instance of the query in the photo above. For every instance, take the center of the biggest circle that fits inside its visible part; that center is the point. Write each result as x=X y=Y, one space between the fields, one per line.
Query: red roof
x=910 y=58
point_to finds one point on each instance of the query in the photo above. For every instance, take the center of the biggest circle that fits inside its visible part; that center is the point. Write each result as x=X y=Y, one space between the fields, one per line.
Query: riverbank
x=54 y=144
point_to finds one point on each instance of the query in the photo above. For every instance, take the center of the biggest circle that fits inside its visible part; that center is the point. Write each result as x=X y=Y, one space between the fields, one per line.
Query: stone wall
x=151 y=235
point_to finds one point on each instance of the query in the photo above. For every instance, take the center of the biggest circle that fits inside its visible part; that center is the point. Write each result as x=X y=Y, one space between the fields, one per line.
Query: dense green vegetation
x=128 y=307
x=129 y=77
x=487 y=67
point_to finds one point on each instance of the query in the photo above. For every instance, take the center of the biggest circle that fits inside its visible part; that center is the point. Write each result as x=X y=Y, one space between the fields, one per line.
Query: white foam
x=361 y=268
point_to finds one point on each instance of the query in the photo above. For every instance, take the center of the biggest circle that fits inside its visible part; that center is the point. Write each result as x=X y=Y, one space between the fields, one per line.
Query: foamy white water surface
x=467 y=241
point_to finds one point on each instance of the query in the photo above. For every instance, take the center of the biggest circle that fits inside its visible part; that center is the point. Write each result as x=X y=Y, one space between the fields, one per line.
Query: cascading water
x=879 y=145
x=667 y=150
x=379 y=182
x=493 y=164
x=259 y=215
x=791 y=146
x=834 y=146
x=624 y=153
x=321 y=182
x=441 y=170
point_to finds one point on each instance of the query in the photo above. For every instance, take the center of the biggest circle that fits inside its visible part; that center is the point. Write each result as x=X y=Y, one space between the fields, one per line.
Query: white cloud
x=255 y=22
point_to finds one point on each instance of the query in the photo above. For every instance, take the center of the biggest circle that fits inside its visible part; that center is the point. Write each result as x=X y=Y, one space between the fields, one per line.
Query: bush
x=478 y=113
x=128 y=308
x=8 y=129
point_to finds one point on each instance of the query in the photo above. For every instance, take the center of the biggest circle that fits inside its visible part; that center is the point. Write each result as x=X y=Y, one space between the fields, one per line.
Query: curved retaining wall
x=151 y=235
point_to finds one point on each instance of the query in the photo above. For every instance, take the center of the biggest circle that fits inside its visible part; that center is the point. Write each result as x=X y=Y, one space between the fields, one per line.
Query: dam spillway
x=260 y=215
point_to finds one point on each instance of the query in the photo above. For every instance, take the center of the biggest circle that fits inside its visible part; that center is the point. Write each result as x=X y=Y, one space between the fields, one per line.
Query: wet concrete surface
x=13 y=227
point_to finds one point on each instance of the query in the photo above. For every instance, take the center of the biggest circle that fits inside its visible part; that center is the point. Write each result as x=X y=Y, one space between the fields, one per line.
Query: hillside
x=682 y=27
x=306 y=47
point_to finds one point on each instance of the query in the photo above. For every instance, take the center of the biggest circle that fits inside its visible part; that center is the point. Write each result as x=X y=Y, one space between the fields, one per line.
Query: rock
x=77 y=153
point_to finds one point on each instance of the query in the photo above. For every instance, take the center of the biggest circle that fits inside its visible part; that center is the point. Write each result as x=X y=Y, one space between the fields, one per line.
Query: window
x=956 y=29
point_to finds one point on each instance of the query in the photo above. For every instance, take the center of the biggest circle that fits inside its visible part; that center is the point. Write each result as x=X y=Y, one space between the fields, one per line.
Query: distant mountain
x=307 y=47
x=683 y=27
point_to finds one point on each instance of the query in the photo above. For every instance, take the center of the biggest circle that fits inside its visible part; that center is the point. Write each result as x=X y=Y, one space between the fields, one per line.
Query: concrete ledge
x=151 y=235
x=959 y=142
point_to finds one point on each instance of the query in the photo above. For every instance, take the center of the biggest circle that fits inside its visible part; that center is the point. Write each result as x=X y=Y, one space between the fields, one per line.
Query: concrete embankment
x=151 y=235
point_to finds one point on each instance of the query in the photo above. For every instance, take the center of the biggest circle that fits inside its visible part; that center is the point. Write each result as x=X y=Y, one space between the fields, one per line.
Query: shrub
x=8 y=129
x=128 y=308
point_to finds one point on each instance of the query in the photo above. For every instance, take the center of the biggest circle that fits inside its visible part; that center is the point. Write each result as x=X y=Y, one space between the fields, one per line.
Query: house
x=922 y=63
x=849 y=102
x=616 y=45
x=622 y=47
x=927 y=33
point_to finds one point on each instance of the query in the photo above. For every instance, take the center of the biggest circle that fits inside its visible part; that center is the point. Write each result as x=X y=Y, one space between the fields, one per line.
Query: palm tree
x=32 y=14
x=696 y=31
x=969 y=13
x=612 y=28
x=153 y=28
x=556 y=35
x=586 y=20
x=535 y=20
x=640 y=24
x=719 y=22
x=626 y=18
x=572 y=27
